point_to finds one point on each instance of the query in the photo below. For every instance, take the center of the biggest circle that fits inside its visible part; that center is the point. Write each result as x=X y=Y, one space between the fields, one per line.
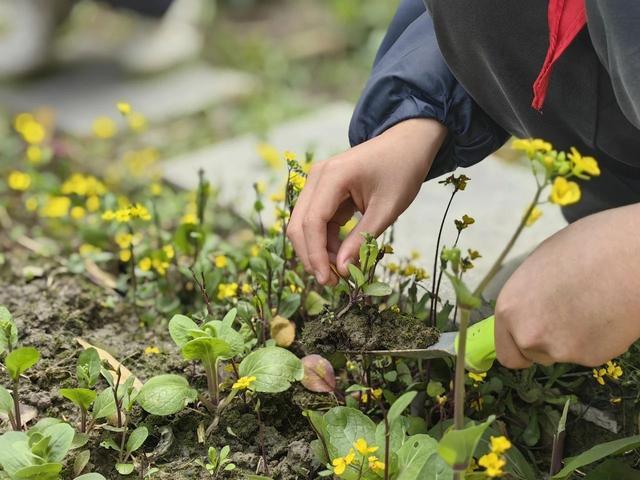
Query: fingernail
x=320 y=277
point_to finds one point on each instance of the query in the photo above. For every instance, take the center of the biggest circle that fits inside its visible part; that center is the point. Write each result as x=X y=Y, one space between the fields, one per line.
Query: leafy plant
x=219 y=461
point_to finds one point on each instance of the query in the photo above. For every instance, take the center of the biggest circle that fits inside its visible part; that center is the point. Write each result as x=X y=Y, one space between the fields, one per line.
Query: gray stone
x=496 y=196
x=81 y=93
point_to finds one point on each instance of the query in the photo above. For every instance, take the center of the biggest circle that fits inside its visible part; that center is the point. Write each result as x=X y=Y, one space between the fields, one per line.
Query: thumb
x=374 y=221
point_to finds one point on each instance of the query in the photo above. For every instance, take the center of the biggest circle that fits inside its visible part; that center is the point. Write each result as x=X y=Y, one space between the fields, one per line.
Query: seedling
x=218 y=461
x=17 y=362
x=361 y=282
x=88 y=373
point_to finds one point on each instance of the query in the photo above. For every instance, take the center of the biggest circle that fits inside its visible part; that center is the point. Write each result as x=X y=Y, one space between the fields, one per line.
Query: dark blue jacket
x=471 y=65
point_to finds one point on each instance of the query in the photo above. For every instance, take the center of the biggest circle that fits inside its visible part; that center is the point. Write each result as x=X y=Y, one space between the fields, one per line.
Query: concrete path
x=83 y=92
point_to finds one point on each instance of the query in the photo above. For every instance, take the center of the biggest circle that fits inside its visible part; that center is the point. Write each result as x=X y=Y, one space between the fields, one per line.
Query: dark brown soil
x=51 y=311
x=365 y=328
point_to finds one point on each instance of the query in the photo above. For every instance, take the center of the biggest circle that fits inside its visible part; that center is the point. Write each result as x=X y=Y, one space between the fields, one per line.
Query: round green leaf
x=83 y=397
x=206 y=349
x=274 y=368
x=179 y=327
x=20 y=360
x=166 y=395
x=136 y=439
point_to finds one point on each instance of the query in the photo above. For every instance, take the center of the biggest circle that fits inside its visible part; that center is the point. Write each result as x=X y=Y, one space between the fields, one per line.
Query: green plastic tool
x=481 y=347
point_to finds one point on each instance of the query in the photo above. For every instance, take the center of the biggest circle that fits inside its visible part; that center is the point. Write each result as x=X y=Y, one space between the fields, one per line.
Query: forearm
x=575 y=299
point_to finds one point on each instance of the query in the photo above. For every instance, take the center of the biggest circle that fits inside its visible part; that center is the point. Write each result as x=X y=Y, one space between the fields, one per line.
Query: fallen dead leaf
x=110 y=359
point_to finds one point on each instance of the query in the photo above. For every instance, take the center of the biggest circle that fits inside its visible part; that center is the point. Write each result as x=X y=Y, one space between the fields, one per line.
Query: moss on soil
x=53 y=310
x=365 y=328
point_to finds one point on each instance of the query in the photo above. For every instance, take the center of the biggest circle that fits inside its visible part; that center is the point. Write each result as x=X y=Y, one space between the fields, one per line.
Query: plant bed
x=366 y=328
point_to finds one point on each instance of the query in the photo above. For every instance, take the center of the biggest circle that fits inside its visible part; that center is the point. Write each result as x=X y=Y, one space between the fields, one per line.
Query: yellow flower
x=376 y=393
x=160 y=266
x=340 y=464
x=531 y=145
x=246 y=288
x=295 y=288
x=220 y=261
x=34 y=154
x=614 y=370
x=564 y=192
x=145 y=264
x=616 y=401
x=151 y=350
x=477 y=404
x=124 y=239
x=19 y=181
x=169 y=251
x=77 y=213
x=227 y=290
x=260 y=186
x=297 y=181
x=56 y=207
x=31 y=204
x=33 y=132
x=244 y=382
x=500 y=444
x=255 y=250
x=155 y=189
x=104 y=128
x=124 y=108
x=126 y=214
x=137 y=121
x=124 y=255
x=189 y=218
x=599 y=374
x=83 y=185
x=533 y=217
x=277 y=197
x=375 y=464
x=393 y=267
x=363 y=447
x=21 y=120
x=93 y=203
x=289 y=156
x=270 y=155
x=477 y=377
x=581 y=164
x=415 y=255
x=87 y=249
x=441 y=400
x=493 y=464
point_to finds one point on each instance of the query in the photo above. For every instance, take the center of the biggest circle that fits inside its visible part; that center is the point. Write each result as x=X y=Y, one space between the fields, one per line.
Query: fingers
x=375 y=220
x=507 y=351
x=294 y=230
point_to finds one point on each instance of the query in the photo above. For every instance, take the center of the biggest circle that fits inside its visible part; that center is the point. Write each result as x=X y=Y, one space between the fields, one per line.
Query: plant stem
x=83 y=420
x=432 y=309
x=458 y=392
x=16 y=405
x=497 y=266
x=261 y=439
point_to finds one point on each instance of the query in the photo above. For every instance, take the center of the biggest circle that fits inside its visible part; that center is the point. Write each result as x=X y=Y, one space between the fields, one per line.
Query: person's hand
x=379 y=178
x=575 y=299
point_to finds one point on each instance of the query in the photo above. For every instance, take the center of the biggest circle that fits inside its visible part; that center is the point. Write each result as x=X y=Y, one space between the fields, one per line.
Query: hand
x=575 y=299
x=379 y=178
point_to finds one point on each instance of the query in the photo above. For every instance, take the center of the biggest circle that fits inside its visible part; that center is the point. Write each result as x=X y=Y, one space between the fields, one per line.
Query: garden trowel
x=481 y=347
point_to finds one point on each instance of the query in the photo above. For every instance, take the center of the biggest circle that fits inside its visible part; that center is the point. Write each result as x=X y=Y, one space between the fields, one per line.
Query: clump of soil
x=365 y=328
x=55 y=308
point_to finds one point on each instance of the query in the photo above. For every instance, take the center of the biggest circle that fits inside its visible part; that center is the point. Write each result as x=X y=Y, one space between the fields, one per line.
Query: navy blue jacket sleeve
x=411 y=80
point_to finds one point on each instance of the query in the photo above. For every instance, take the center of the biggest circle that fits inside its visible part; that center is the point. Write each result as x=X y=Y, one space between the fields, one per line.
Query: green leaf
x=464 y=297
x=125 y=468
x=136 y=439
x=377 y=289
x=104 y=405
x=356 y=274
x=166 y=395
x=61 y=435
x=596 y=453
x=345 y=425
x=46 y=471
x=15 y=453
x=224 y=331
x=179 y=327
x=206 y=349
x=314 y=303
x=90 y=476
x=290 y=304
x=458 y=446
x=400 y=405
x=613 y=470
x=20 y=360
x=81 y=461
x=8 y=331
x=212 y=453
x=418 y=459
x=83 y=397
x=275 y=369
x=230 y=317
x=6 y=401
x=88 y=368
